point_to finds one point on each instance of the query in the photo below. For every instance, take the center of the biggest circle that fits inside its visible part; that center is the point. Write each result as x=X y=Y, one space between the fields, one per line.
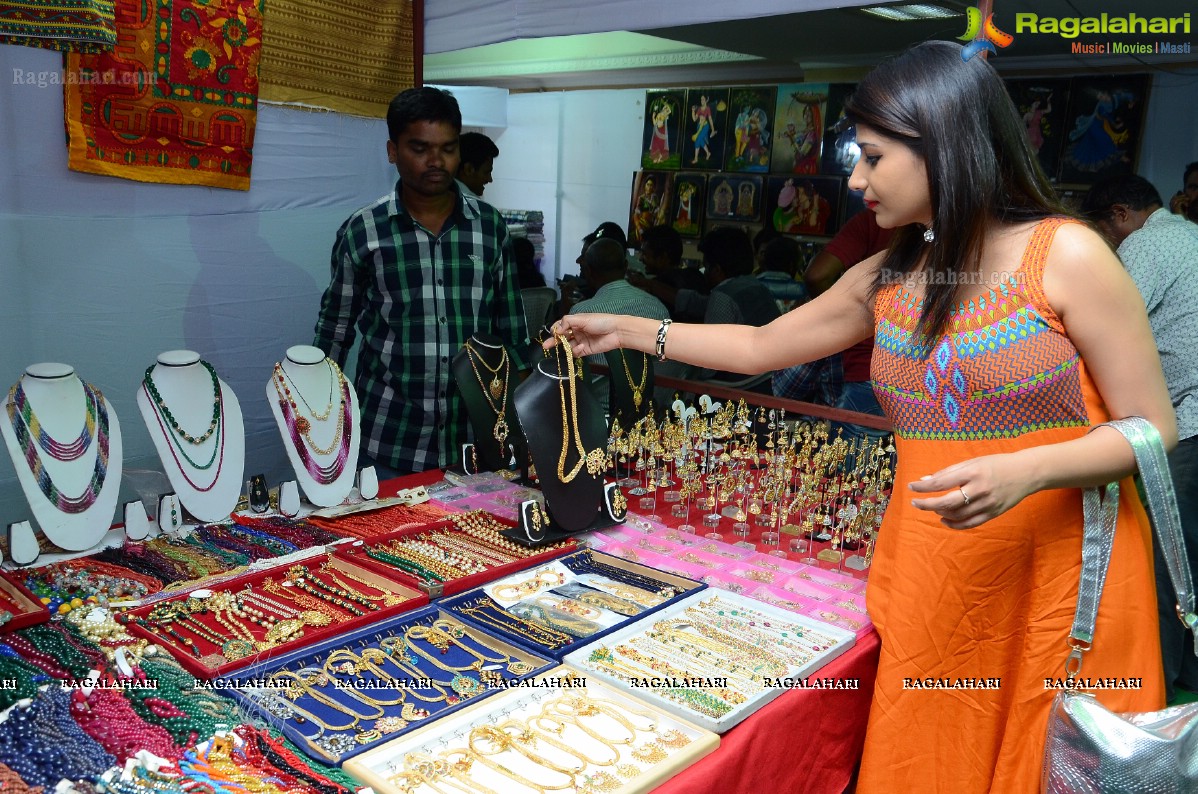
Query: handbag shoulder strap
x=1100 y=509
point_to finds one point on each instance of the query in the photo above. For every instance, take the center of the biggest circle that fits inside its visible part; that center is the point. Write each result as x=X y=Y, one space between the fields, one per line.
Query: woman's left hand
x=974 y=491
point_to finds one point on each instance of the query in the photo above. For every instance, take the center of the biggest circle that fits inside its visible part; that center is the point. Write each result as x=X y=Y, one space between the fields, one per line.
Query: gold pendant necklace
x=637 y=388
x=495 y=391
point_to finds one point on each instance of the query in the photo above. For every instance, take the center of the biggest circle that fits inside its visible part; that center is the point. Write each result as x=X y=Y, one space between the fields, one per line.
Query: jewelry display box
x=373 y=554
x=559 y=591
x=19 y=608
x=599 y=738
x=205 y=659
x=379 y=682
x=744 y=653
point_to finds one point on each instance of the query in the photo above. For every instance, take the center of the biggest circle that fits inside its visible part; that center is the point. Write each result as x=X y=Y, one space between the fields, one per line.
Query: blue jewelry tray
x=388 y=683
x=677 y=588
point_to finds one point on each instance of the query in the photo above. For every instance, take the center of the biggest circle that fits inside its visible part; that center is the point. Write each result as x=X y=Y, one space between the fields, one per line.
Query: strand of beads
x=381 y=522
x=43 y=744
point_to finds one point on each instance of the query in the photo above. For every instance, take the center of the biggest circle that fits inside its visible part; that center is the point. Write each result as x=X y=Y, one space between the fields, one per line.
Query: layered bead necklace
x=300 y=427
x=31 y=436
x=176 y=432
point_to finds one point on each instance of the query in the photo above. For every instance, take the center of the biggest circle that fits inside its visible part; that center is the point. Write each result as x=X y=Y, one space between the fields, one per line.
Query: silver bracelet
x=661 y=339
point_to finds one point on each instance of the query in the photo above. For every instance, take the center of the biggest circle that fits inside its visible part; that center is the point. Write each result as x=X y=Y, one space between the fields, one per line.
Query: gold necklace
x=637 y=389
x=593 y=460
x=540 y=580
x=496 y=388
x=495 y=391
x=388 y=598
x=302 y=424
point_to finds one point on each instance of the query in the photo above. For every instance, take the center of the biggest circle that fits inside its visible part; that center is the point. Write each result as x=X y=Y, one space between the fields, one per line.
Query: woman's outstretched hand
x=587 y=333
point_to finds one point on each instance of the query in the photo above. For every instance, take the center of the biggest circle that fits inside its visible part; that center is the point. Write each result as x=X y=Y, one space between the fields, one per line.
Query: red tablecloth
x=805 y=741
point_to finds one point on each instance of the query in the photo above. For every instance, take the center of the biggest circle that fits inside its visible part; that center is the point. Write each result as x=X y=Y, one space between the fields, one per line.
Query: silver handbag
x=1091 y=748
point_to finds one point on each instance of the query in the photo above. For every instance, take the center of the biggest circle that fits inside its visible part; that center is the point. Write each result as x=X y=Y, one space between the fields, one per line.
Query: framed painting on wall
x=651 y=192
x=806 y=205
x=703 y=143
x=1041 y=104
x=690 y=195
x=750 y=128
x=840 y=152
x=799 y=128
x=734 y=197
x=1103 y=125
x=662 y=143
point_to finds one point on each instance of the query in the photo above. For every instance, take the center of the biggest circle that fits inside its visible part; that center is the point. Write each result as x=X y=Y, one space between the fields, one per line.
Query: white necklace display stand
x=185 y=388
x=311 y=377
x=58 y=401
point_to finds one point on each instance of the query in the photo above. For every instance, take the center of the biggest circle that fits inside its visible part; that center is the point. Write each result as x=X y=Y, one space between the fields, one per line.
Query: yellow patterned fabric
x=352 y=56
x=68 y=25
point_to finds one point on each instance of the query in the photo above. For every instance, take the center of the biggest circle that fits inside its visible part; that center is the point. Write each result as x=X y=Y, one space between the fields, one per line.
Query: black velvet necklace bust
x=484 y=375
x=559 y=413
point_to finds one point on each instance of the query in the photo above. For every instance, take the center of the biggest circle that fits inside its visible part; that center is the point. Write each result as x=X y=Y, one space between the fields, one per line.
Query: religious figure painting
x=750 y=128
x=704 y=138
x=840 y=152
x=690 y=193
x=651 y=194
x=662 y=147
x=1041 y=104
x=799 y=128
x=733 y=197
x=804 y=205
x=1102 y=127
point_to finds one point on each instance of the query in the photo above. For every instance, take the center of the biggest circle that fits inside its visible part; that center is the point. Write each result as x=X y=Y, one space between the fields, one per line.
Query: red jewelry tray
x=24 y=607
x=412 y=599
x=356 y=552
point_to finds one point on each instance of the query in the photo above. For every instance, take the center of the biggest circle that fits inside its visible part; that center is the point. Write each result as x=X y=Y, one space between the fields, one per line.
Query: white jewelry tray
x=841 y=641
x=379 y=767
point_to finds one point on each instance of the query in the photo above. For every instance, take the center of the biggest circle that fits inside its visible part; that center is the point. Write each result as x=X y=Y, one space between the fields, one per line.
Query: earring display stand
x=65 y=444
x=567 y=443
x=317 y=413
x=196 y=425
x=484 y=375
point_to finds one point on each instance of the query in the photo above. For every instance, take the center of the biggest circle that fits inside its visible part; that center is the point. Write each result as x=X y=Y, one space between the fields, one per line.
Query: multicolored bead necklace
x=29 y=447
x=299 y=427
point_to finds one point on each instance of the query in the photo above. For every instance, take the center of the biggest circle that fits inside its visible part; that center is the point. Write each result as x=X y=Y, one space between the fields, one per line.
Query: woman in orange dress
x=1005 y=332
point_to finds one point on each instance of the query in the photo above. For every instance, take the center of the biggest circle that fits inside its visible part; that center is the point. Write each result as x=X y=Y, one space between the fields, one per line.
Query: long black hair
x=957 y=115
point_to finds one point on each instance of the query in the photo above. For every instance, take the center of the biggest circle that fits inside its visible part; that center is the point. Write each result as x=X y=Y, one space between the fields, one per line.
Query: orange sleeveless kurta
x=996 y=601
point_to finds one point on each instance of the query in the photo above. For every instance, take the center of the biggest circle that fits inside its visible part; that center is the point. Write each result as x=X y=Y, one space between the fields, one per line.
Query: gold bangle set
x=563 y=747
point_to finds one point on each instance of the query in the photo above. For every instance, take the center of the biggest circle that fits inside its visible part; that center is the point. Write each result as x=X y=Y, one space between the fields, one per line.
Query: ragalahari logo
x=982 y=37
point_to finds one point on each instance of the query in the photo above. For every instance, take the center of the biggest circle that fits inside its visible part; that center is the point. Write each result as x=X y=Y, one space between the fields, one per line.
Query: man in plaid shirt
x=418 y=272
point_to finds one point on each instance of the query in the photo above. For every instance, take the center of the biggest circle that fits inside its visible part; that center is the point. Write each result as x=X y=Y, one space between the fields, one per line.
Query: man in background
x=417 y=273
x=1185 y=201
x=1160 y=251
x=478 y=153
x=661 y=254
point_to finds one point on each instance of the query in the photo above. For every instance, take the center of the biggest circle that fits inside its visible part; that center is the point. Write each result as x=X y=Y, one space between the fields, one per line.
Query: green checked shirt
x=417 y=297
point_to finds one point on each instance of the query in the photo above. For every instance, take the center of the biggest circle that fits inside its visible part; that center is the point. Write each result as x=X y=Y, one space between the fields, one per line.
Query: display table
x=808 y=740
x=805 y=741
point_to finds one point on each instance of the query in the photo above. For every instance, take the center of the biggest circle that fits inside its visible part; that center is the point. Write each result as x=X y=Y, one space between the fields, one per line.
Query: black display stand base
x=536 y=528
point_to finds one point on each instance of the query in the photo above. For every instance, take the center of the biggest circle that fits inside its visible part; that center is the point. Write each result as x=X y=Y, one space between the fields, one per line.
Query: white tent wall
x=105 y=273
x=457 y=24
